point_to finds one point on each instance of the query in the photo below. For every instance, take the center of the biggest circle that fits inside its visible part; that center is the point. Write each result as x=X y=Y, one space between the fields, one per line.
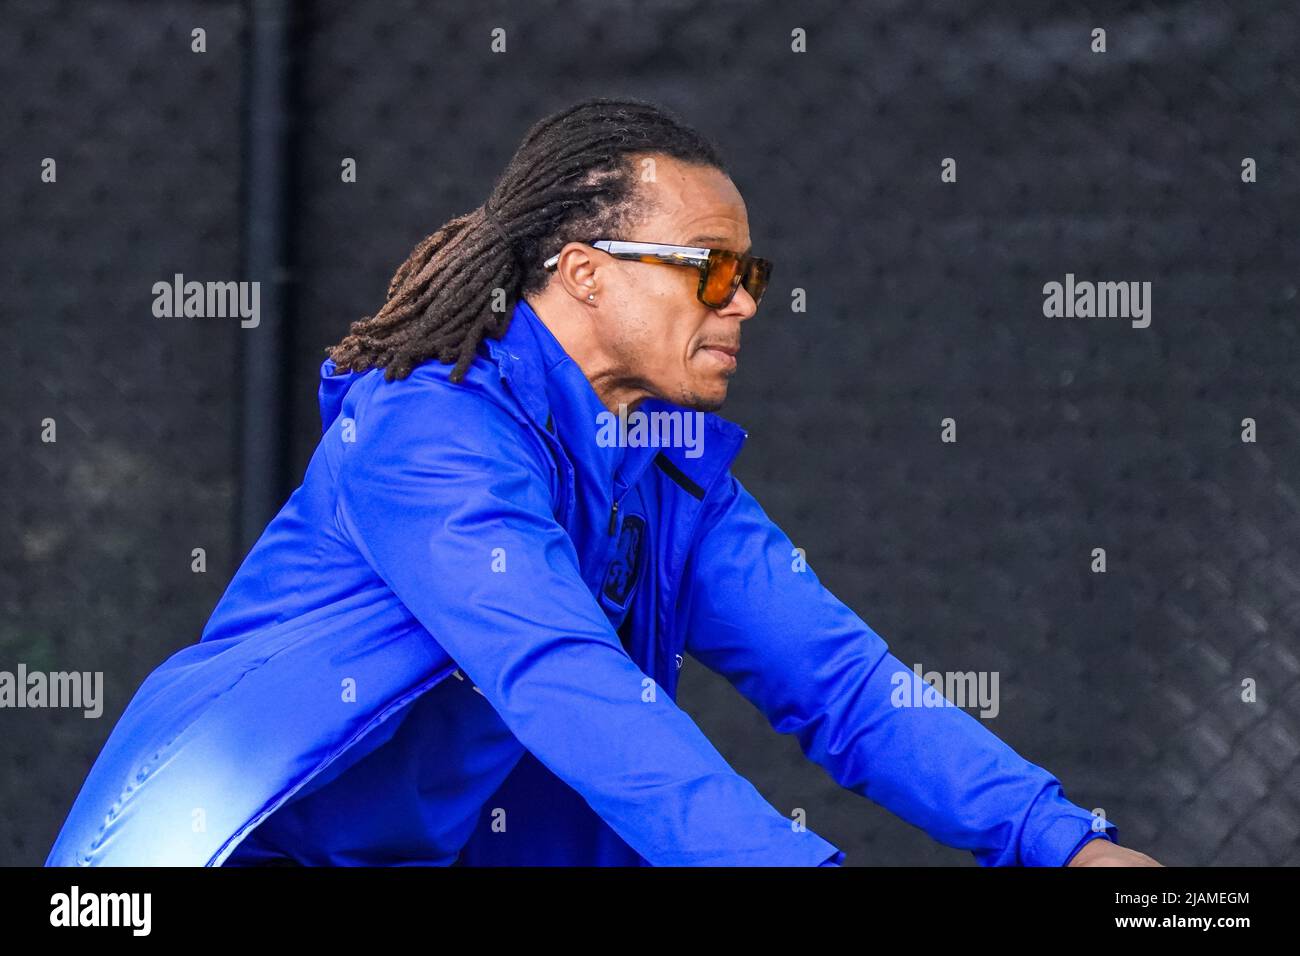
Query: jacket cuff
x=1058 y=829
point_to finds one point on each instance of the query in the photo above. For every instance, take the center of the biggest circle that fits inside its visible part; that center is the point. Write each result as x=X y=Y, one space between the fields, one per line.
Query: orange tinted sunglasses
x=722 y=271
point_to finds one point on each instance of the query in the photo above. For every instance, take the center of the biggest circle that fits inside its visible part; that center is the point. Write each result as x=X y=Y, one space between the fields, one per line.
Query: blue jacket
x=459 y=642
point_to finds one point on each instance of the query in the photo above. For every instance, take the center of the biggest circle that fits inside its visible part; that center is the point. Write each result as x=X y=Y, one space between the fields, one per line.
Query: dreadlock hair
x=572 y=178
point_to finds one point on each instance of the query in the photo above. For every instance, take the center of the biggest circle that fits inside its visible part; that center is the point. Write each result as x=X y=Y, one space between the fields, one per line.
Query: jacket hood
x=333 y=388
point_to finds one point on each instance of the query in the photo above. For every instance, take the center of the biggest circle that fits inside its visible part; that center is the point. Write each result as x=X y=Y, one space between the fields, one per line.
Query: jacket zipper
x=613 y=511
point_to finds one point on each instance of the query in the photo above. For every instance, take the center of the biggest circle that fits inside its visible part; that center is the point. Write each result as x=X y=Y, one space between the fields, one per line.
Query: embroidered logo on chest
x=629 y=556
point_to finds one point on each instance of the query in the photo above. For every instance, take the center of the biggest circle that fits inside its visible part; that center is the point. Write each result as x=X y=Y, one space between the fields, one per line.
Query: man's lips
x=722 y=353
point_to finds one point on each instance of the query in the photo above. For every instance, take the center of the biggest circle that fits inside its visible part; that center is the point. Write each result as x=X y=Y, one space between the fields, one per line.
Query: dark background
x=924 y=302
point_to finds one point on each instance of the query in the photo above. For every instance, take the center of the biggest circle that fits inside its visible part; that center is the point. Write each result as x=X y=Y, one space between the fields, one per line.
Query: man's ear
x=577 y=270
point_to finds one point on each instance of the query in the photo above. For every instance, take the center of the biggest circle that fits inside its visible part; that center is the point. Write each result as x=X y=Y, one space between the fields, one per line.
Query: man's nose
x=742 y=305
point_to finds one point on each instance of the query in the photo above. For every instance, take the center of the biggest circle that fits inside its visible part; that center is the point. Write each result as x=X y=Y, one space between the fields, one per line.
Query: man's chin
x=706 y=402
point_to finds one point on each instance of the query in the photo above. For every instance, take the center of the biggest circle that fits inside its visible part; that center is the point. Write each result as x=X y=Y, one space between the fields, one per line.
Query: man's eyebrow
x=696 y=240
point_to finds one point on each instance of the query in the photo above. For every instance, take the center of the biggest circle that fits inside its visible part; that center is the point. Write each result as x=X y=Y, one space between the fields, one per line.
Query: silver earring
x=591 y=295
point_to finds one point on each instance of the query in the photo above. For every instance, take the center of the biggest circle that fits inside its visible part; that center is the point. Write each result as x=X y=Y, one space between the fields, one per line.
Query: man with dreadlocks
x=459 y=640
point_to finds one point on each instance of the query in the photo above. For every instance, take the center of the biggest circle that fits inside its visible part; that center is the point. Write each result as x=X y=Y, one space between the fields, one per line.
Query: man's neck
x=610 y=383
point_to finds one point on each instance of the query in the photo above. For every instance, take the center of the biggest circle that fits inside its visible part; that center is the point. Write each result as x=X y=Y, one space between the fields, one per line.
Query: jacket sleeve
x=450 y=501
x=816 y=670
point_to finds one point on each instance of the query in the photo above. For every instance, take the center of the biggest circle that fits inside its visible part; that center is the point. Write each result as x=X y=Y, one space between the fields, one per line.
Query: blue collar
x=556 y=395
x=574 y=409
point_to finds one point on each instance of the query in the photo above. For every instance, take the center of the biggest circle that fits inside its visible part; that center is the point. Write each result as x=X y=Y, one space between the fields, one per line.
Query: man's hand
x=1102 y=852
